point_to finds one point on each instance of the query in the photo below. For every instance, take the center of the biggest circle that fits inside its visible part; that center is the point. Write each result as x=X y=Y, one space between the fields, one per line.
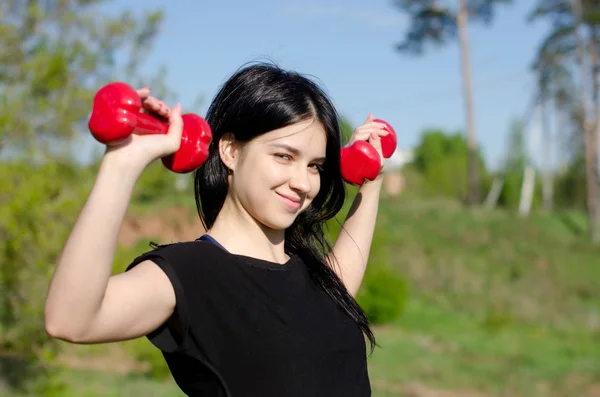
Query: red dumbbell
x=360 y=161
x=116 y=115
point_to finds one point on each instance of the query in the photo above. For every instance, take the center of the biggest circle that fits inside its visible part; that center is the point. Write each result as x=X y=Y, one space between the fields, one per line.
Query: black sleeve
x=166 y=337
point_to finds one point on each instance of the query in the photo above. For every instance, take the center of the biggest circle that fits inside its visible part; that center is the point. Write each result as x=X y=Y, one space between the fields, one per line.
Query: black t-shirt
x=245 y=327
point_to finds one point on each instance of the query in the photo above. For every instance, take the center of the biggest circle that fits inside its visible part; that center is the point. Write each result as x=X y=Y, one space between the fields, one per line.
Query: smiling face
x=276 y=176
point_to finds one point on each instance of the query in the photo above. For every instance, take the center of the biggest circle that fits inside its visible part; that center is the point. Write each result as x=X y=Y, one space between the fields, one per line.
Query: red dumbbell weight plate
x=359 y=161
x=114 y=113
x=195 y=140
x=388 y=142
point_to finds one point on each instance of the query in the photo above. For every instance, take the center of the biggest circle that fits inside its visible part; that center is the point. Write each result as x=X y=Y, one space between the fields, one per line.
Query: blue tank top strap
x=210 y=239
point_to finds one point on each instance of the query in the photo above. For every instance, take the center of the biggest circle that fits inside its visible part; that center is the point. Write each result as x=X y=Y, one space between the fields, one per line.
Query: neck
x=241 y=234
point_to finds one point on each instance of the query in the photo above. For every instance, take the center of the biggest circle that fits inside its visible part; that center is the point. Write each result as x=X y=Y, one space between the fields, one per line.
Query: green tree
x=571 y=185
x=574 y=39
x=441 y=158
x=54 y=57
x=440 y=22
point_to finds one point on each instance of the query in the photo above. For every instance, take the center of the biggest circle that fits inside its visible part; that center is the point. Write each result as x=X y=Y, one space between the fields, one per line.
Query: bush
x=157 y=182
x=36 y=215
x=510 y=196
x=442 y=159
x=383 y=294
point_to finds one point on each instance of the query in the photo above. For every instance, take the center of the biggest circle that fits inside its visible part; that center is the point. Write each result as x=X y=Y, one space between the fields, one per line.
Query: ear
x=228 y=151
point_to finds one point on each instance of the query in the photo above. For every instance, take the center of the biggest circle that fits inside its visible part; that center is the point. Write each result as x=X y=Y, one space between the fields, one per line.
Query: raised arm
x=85 y=304
x=350 y=252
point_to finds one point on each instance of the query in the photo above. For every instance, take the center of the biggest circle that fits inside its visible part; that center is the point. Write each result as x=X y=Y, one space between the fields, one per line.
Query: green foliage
x=494 y=265
x=54 y=57
x=516 y=160
x=156 y=182
x=553 y=63
x=450 y=353
x=384 y=292
x=442 y=160
x=497 y=318
x=570 y=186
x=38 y=209
x=435 y=145
x=145 y=352
x=510 y=195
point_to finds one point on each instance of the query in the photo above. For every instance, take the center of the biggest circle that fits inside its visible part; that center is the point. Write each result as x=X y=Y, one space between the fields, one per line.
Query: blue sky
x=349 y=47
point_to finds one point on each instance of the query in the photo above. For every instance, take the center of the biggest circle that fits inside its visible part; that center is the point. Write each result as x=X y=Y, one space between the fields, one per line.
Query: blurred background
x=484 y=275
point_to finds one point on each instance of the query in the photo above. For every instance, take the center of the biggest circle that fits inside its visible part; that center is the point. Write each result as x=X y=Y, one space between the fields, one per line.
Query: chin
x=281 y=223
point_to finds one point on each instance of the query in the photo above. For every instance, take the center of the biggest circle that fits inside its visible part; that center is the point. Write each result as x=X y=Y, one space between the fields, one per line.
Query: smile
x=291 y=202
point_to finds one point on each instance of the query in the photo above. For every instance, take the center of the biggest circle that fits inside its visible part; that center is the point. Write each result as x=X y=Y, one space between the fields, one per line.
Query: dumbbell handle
x=147 y=125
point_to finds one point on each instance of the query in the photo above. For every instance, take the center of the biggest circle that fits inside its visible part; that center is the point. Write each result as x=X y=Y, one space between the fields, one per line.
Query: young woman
x=260 y=305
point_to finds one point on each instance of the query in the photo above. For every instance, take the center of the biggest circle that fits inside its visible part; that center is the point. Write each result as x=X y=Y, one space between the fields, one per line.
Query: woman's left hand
x=370 y=131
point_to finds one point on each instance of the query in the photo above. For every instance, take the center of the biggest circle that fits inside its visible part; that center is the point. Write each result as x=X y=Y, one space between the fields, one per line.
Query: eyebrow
x=294 y=151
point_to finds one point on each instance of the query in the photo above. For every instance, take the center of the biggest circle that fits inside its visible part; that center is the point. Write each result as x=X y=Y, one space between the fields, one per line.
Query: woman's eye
x=283 y=156
x=317 y=167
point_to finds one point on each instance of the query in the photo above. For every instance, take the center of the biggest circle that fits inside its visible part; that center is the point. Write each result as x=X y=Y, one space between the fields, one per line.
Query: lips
x=293 y=199
x=292 y=202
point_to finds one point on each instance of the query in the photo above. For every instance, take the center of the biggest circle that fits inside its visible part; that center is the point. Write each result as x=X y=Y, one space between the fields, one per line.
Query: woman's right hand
x=143 y=149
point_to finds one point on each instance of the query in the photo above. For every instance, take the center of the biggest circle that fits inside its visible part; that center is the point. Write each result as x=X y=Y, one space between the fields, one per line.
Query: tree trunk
x=527 y=189
x=559 y=130
x=473 y=167
x=528 y=185
x=494 y=194
x=589 y=127
x=592 y=147
x=547 y=182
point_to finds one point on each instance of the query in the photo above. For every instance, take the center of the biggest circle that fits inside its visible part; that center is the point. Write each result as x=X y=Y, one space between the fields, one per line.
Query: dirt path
x=172 y=225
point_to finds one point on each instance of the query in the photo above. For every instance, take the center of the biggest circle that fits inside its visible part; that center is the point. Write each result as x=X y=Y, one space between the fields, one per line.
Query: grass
x=533 y=270
x=105 y=384
x=498 y=306
x=455 y=351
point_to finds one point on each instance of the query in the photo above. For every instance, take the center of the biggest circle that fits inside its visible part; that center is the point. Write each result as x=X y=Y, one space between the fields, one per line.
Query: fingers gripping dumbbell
x=360 y=161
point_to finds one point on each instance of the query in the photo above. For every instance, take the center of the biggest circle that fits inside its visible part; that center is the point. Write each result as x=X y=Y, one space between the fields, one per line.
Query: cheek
x=315 y=188
x=273 y=174
x=263 y=173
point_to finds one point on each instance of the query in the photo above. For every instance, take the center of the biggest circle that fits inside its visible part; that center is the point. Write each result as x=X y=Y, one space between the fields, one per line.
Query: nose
x=300 y=181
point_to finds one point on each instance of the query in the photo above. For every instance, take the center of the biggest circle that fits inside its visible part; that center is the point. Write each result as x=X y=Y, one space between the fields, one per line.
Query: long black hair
x=260 y=98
